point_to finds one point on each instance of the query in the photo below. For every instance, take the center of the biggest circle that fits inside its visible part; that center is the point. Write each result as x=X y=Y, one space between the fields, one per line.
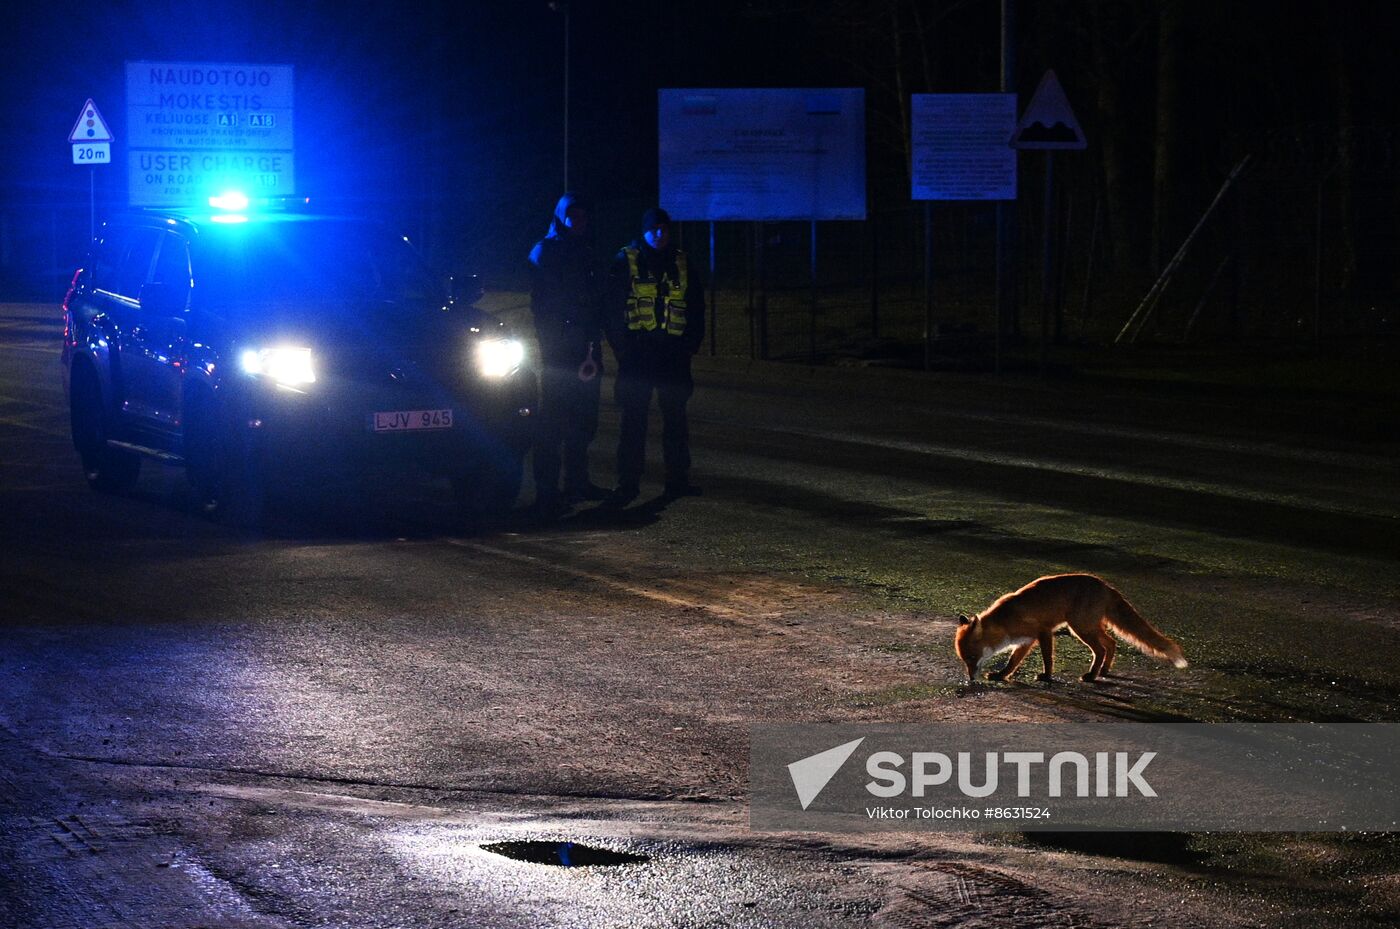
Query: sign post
x=764 y=155
x=961 y=152
x=1050 y=126
x=92 y=146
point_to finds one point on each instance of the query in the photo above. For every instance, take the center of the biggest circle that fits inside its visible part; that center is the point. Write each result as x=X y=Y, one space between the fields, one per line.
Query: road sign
x=962 y=147
x=1048 y=122
x=92 y=153
x=199 y=129
x=90 y=127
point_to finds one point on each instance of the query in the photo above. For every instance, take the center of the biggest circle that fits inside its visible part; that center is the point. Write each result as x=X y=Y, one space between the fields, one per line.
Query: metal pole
x=566 y=96
x=714 y=298
x=1047 y=261
x=762 y=292
x=753 y=314
x=1087 y=303
x=1005 y=210
x=874 y=277
x=92 y=203
x=812 y=325
x=1317 y=270
x=562 y=7
x=928 y=284
x=54 y=276
x=1065 y=233
x=1008 y=46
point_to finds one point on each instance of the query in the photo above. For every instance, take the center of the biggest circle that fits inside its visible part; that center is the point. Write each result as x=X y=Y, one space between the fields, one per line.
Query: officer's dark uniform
x=655 y=322
x=565 y=299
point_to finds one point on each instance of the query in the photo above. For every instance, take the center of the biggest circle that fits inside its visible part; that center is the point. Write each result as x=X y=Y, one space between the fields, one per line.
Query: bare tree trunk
x=1124 y=234
x=924 y=57
x=901 y=95
x=1166 y=165
x=1347 y=141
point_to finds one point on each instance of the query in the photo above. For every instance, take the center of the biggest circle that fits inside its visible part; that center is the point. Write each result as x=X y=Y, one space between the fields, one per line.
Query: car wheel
x=109 y=470
x=491 y=485
x=220 y=464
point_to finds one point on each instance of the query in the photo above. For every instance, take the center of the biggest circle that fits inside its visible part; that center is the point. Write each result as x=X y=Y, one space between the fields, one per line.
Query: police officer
x=565 y=300
x=655 y=322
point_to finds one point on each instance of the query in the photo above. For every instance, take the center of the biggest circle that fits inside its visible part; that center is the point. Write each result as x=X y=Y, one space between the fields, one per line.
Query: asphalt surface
x=323 y=723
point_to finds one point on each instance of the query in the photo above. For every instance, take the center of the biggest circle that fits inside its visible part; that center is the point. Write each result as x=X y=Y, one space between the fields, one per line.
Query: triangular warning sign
x=1049 y=122
x=90 y=127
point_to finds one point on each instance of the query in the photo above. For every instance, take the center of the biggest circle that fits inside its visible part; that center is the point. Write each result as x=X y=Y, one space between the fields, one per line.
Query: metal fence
x=1305 y=246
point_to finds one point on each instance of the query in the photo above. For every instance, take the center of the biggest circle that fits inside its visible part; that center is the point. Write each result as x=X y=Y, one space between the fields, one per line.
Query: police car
x=253 y=346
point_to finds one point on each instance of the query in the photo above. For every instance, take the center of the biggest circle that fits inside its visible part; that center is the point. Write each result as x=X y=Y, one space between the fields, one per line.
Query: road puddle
x=562 y=854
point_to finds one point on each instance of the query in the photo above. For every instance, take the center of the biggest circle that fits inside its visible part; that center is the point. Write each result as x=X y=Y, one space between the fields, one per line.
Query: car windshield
x=311 y=261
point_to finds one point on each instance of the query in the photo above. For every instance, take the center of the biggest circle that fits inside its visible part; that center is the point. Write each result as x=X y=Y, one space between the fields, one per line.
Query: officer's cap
x=655 y=217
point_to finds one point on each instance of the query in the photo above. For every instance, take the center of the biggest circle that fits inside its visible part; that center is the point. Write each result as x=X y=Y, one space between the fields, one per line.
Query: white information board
x=962 y=147
x=197 y=129
x=766 y=154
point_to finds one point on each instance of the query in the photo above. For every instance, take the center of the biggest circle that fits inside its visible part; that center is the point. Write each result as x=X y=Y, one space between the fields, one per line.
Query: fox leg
x=1047 y=655
x=1101 y=652
x=1014 y=662
x=1112 y=645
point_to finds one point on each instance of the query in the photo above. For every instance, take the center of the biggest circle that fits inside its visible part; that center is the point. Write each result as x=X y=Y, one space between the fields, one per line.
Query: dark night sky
x=447 y=116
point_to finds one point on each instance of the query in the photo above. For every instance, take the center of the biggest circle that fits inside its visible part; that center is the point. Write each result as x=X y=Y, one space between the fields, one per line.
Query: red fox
x=1020 y=620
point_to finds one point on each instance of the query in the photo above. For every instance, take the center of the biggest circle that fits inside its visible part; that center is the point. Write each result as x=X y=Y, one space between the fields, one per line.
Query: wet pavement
x=329 y=722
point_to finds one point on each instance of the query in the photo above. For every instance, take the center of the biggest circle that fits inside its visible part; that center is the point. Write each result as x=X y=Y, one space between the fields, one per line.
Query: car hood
x=367 y=323
x=368 y=342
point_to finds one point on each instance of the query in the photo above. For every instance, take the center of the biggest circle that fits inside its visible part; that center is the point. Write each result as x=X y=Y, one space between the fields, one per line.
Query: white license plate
x=407 y=420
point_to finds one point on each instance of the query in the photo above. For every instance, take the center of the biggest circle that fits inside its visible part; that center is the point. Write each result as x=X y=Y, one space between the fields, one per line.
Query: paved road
x=322 y=724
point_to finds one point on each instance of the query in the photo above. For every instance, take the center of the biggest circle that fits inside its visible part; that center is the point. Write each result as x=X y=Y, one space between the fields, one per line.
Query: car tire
x=221 y=464
x=490 y=486
x=108 y=470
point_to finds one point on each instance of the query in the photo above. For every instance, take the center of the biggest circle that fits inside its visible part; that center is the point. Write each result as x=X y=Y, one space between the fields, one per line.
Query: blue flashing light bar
x=230 y=200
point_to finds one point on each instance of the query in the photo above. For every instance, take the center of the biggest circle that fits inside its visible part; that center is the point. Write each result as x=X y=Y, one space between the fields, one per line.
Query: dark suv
x=254 y=347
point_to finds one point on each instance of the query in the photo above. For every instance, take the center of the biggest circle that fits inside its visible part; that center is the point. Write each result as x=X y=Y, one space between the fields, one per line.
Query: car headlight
x=499 y=357
x=288 y=366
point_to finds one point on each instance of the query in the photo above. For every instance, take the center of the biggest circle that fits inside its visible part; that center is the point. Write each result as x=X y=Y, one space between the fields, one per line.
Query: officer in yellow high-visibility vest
x=655 y=322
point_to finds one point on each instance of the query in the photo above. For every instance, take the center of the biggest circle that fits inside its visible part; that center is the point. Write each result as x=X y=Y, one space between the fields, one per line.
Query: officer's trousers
x=668 y=376
x=568 y=420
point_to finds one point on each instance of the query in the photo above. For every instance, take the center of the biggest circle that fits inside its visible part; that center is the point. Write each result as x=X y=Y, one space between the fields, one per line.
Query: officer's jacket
x=565 y=296
x=655 y=299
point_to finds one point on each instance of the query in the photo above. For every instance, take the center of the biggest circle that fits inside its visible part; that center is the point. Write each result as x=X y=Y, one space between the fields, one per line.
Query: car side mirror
x=165 y=299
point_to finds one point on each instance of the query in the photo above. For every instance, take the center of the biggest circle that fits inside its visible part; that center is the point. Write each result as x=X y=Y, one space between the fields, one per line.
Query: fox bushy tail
x=1142 y=635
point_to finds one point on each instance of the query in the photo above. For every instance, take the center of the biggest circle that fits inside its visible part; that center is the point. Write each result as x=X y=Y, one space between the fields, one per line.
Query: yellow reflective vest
x=656 y=303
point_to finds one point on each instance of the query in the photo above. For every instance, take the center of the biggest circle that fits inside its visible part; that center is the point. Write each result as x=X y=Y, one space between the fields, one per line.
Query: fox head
x=971 y=645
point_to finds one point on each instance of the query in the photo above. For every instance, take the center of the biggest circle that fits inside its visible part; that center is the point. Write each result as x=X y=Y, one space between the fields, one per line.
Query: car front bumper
x=328 y=430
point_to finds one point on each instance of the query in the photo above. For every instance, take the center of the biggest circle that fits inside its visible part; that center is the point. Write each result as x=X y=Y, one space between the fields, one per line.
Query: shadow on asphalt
x=424 y=514
x=1172 y=848
x=1092 y=495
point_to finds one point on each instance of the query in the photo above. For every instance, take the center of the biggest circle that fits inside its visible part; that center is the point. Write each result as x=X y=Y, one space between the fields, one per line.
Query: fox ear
x=964 y=620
